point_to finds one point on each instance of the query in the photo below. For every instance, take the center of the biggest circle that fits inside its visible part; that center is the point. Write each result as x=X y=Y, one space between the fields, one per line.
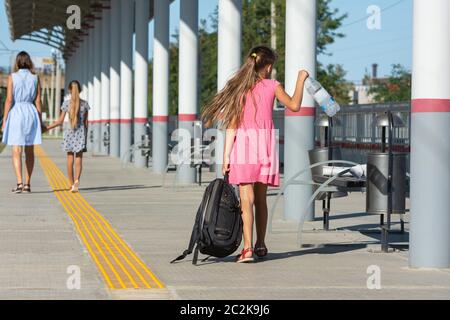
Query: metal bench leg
x=384 y=238
x=326 y=212
x=402 y=225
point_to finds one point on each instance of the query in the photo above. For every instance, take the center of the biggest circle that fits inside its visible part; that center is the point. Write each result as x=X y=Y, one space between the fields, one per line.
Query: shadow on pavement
x=323 y=249
x=102 y=189
x=118 y=188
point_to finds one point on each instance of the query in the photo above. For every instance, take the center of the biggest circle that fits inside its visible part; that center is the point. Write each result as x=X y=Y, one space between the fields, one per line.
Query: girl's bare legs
x=78 y=165
x=261 y=214
x=17 y=162
x=29 y=163
x=70 y=157
x=247 y=202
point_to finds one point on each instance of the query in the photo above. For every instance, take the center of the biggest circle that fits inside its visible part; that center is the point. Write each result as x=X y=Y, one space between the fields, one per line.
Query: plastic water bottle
x=322 y=97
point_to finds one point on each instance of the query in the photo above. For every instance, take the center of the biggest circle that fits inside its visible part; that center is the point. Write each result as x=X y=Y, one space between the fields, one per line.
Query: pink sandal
x=242 y=257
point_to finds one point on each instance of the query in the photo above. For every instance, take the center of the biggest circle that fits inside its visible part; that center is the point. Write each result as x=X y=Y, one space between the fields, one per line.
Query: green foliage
x=256 y=24
x=397 y=88
x=329 y=21
x=332 y=78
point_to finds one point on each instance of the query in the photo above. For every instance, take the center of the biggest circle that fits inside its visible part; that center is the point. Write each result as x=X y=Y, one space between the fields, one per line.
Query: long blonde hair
x=74 y=109
x=228 y=104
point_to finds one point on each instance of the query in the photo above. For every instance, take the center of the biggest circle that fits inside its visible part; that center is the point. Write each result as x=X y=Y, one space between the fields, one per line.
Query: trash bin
x=377 y=183
x=321 y=155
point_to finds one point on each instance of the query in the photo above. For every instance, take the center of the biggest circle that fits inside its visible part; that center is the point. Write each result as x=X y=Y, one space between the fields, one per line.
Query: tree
x=397 y=88
x=332 y=77
x=256 y=24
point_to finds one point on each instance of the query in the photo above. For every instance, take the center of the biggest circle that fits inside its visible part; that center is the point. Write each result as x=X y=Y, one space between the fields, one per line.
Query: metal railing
x=357 y=129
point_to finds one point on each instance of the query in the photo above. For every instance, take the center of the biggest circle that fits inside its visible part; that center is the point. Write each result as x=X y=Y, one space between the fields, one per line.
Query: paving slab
x=156 y=220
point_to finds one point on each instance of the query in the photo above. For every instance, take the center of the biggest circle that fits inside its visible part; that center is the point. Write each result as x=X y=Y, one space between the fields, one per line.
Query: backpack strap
x=194 y=237
x=195 y=258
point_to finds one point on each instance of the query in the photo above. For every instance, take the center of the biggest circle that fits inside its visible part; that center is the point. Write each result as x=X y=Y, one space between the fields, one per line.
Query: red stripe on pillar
x=140 y=120
x=114 y=121
x=126 y=121
x=160 y=118
x=304 y=112
x=187 y=117
x=430 y=105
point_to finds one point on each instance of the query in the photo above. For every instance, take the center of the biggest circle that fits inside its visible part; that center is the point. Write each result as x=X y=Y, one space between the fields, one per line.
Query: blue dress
x=23 y=127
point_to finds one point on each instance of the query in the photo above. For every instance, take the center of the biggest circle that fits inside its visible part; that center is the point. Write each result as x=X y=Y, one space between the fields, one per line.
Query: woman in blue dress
x=22 y=118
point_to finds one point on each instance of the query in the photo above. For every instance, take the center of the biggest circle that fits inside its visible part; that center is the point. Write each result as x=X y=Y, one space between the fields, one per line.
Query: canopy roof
x=44 y=21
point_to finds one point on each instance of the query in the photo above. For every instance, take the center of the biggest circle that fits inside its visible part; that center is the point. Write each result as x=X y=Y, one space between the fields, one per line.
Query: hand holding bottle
x=303 y=75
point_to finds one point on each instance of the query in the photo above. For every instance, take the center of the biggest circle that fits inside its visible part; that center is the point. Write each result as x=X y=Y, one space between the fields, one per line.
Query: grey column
x=58 y=90
x=160 y=85
x=299 y=126
x=141 y=79
x=114 y=74
x=90 y=62
x=97 y=86
x=126 y=78
x=105 y=85
x=228 y=57
x=430 y=132
x=187 y=85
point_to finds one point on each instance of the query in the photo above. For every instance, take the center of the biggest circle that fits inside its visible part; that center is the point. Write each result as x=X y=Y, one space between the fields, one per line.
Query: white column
x=141 y=78
x=299 y=126
x=97 y=85
x=126 y=78
x=58 y=92
x=91 y=101
x=51 y=107
x=229 y=56
x=114 y=74
x=160 y=85
x=187 y=84
x=106 y=32
x=84 y=67
x=430 y=132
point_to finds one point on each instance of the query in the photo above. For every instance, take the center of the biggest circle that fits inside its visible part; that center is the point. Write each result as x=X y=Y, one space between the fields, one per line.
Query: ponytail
x=74 y=109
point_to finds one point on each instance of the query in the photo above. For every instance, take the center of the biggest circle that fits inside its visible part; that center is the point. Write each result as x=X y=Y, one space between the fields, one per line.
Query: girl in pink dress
x=244 y=108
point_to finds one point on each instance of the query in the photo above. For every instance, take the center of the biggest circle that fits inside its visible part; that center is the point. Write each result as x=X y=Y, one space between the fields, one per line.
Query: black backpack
x=218 y=225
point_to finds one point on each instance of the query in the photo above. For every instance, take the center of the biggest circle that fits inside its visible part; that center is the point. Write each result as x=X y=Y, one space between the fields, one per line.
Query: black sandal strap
x=19 y=187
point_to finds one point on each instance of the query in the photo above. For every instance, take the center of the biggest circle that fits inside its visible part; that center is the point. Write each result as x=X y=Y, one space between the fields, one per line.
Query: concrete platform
x=38 y=242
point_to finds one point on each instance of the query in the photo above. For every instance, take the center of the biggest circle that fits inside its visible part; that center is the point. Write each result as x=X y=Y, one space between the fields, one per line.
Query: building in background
x=360 y=93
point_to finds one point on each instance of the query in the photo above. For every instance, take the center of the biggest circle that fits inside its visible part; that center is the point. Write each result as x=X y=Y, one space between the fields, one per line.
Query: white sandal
x=75 y=187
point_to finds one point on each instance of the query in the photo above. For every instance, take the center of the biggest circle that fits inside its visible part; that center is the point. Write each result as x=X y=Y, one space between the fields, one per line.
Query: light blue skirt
x=22 y=127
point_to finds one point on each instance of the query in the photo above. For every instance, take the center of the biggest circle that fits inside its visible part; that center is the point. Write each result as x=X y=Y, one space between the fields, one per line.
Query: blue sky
x=356 y=52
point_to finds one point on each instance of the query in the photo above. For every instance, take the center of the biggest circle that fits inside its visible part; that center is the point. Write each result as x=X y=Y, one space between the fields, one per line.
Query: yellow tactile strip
x=119 y=265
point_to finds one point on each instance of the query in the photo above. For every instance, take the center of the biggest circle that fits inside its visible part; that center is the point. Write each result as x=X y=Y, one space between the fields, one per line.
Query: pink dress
x=254 y=156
